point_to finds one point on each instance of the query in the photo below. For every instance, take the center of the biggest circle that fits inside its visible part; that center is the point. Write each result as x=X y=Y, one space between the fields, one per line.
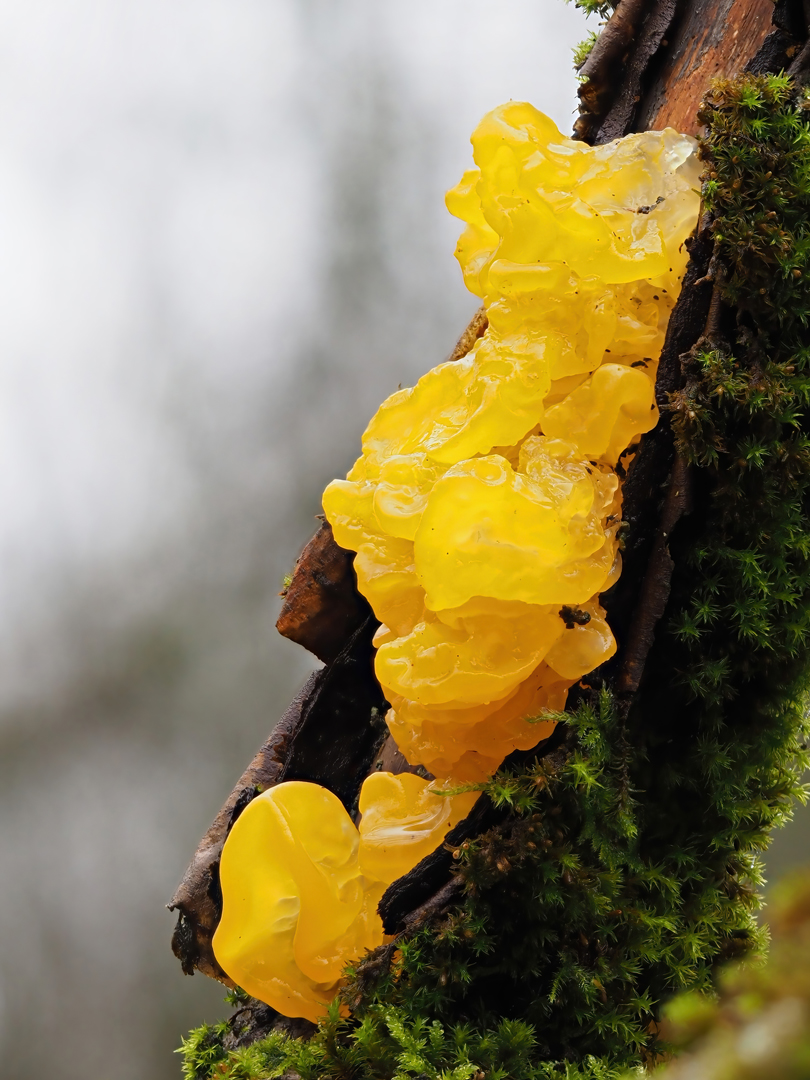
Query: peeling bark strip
x=329 y=735
x=602 y=71
x=655 y=59
x=474 y=331
x=711 y=39
x=620 y=117
x=322 y=607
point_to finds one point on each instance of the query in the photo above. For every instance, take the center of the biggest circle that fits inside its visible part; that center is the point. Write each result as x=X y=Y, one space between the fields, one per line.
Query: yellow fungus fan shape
x=404 y=818
x=442 y=737
x=295 y=904
x=617 y=212
x=487 y=496
x=484 y=512
x=527 y=534
x=301 y=884
x=603 y=415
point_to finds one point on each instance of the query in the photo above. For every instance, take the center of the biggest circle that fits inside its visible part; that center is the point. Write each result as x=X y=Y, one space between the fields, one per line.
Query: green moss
x=628 y=871
x=237 y=997
x=582 y=50
x=399 y=1047
x=758 y=1027
x=602 y=8
x=202 y=1052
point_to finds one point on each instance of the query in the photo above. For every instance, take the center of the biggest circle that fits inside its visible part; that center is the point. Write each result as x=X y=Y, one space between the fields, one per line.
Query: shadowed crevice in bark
x=414 y=891
x=612 y=121
x=632 y=616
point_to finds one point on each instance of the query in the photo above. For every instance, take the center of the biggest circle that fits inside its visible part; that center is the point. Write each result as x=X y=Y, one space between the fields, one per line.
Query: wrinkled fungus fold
x=484 y=511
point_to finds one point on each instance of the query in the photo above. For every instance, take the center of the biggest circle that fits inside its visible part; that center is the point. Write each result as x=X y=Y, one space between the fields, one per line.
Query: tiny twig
x=712 y=328
x=475 y=329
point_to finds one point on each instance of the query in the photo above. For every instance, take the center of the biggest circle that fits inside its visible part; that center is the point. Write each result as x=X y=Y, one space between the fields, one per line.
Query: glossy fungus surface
x=484 y=511
x=486 y=496
x=301 y=884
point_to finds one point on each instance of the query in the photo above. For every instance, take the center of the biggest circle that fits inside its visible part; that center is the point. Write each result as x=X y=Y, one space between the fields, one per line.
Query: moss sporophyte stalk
x=484 y=511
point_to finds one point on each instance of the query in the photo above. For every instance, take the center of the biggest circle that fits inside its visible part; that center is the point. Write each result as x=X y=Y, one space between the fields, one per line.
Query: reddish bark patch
x=710 y=39
x=322 y=607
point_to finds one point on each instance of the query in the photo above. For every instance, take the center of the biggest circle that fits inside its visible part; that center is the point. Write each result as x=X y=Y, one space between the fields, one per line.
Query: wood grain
x=711 y=38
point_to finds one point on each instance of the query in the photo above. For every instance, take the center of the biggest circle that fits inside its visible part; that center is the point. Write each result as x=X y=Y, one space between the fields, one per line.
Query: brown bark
x=652 y=64
x=322 y=607
x=614 y=75
x=659 y=75
x=712 y=38
x=473 y=332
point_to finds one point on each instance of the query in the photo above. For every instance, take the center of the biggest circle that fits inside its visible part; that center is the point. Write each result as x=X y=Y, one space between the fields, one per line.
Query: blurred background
x=224 y=243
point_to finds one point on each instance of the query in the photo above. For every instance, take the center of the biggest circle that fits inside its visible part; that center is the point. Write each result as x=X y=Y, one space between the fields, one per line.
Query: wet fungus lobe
x=484 y=511
x=301 y=883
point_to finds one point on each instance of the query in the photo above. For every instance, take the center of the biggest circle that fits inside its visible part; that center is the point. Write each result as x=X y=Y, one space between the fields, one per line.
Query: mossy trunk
x=617 y=862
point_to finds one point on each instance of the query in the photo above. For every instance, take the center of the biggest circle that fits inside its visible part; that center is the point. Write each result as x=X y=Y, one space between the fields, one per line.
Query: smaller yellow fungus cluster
x=402 y=820
x=301 y=883
x=483 y=512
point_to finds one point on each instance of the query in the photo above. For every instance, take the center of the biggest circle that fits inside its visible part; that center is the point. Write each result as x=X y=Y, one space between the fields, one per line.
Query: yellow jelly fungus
x=486 y=496
x=441 y=737
x=485 y=503
x=535 y=534
x=301 y=884
x=403 y=821
x=295 y=903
